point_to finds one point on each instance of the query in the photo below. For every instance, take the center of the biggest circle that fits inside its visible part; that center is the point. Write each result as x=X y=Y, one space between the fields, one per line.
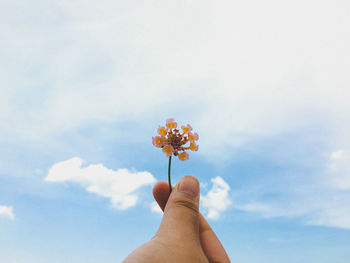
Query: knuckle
x=187 y=204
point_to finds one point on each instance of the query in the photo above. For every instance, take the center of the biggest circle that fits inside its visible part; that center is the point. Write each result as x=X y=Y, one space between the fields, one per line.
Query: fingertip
x=160 y=187
x=161 y=193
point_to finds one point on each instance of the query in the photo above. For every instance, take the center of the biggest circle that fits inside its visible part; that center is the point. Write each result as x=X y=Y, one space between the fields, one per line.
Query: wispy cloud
x=333 y=209
x=322 y=202
x=7 y=211
x=207 y=67
x=216 y=201
x=339 y=169
x=119 y=186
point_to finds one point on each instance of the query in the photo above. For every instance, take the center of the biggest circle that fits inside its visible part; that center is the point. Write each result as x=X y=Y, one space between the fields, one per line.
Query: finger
x=211 y=245
x=161 y=193
x=181 y=212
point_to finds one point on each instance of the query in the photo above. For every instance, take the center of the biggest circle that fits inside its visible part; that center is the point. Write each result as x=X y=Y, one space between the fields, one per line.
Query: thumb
x=181 y=215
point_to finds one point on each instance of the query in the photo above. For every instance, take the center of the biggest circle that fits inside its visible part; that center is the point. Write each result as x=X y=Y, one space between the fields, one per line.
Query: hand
x=184 y=235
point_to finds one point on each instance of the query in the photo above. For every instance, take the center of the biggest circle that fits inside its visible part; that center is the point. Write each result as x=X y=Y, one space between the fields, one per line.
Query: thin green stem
x=169 y=166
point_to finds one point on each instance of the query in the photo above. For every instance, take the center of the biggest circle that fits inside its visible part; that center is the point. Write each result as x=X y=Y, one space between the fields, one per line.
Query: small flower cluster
x=173 y=142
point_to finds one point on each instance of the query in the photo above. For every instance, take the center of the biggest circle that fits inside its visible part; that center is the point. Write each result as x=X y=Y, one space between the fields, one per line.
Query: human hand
x=184 y=235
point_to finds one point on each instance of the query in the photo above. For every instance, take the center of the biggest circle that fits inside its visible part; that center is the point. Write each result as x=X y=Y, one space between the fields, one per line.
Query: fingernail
x=189 y=185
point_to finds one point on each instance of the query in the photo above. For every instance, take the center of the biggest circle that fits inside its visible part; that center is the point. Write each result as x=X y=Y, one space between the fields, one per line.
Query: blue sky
x=84 y=86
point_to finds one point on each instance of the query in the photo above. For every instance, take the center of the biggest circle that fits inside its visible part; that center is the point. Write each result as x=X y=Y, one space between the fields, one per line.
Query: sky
x=85 y=84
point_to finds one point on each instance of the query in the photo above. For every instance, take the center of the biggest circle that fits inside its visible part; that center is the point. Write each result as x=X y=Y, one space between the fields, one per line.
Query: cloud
x=256 y=208
x=155 y=208
x=119 y=186
x=321 y=201
x=329 y=210
x=216 y=200
x=339 y=169
x=334 y=213
x=245 y=74
x=7 y=211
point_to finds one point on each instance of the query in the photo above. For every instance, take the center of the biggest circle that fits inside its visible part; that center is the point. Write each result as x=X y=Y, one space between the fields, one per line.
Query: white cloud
x=119 y=186
x=155 y=208
x=340 y=155
x=339 y=169
x=256 y=208
x=7 y=211
x=244 y=73
x=317 y=208
x=334 y=213
x=216 y=200
x=322 y=201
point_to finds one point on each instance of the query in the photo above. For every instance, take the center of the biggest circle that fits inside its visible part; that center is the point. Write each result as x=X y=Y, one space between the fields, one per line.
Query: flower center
x=176 y=140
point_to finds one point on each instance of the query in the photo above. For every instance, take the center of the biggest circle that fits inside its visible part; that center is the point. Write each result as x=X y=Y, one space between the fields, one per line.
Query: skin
x=183 y=235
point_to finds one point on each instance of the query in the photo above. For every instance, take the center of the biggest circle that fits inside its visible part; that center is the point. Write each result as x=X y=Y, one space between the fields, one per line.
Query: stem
x=169 y=166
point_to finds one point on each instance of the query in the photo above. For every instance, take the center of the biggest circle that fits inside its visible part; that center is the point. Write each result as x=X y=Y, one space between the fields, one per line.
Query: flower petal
x=168 y=150
x=170 y=123
x=158 y=141
x=183 y=156
x=193 y=146
x=162 y=130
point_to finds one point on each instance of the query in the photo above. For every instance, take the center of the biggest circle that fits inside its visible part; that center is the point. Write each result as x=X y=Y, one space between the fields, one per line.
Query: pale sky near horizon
x=84 y=86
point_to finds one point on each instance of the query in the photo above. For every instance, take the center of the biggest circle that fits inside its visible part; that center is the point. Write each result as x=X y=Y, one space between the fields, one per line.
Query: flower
x=186 y=128
x=172 y=141
x=183 y=156
x=158 y=141
x=193 y=146
x=193 y=136
x=170 y=123
x=162 y=130
x=168 y=150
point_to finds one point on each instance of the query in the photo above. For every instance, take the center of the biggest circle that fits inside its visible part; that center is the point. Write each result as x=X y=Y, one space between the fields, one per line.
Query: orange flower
x=186 y=128
x=183 y=156
x=162 y=130
x=174 y=142
x=193 y=136
x=168 y=150
x=193 y=146
x=158 y=141
x=170 y=123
